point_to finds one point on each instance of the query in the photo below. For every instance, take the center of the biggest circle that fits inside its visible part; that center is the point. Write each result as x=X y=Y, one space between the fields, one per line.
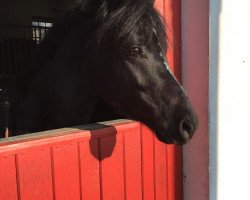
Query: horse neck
x=60 y=93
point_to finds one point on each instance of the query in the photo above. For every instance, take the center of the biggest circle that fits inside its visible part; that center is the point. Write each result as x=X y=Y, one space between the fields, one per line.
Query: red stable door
x=119 y=160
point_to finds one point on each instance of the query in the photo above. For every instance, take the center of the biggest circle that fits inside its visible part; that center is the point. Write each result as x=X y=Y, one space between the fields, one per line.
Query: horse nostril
x=186 y=129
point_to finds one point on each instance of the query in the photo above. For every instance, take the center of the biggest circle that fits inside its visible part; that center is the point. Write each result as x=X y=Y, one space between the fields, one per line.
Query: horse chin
x=164 y=139
x=160 y=134
x=168 y=139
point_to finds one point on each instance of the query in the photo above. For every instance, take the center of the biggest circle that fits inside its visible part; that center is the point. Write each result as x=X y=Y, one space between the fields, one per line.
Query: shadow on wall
x=214 y=25
x=102 y=147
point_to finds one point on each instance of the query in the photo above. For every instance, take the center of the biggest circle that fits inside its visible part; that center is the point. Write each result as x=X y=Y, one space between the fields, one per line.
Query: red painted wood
x=172 y=16
x=159 y=5
x=89 y=165
x=175 y=173
x=147 y=163
x=112 y=168
x=66 y=176
x=8 y=182
x=127 y=163
x=34 y=172
x=160 y=165
x=132 y=164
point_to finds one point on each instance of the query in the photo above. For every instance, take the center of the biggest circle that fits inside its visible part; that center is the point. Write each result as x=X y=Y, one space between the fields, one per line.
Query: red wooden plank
x=63 y=136
x=132 y=163
x=172 y=16
x=35 y=181
x=147 y=163
x=112 y=177
x=66 y=172
x=175 y=190
x=90 y=177
x=160 y=152
x=8 y=183
x=159 y=5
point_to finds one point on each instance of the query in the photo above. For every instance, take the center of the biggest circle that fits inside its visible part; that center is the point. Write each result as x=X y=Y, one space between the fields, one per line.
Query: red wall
x=195 y=71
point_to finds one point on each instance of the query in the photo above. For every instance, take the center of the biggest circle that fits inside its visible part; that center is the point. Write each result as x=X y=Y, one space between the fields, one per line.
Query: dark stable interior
x=23 y=26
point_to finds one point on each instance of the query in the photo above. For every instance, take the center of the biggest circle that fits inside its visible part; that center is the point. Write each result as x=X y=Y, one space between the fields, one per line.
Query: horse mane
x=117 y=19
x=120 y=22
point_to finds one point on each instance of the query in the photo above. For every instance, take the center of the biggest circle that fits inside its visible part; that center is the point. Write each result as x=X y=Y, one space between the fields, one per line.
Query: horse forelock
x=120 y=22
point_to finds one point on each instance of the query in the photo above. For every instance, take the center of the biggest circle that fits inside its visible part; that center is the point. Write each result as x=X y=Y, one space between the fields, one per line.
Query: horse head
x=131 y=73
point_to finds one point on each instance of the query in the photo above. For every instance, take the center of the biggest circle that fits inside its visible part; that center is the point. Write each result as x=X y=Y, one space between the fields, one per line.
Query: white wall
x=195 y=35
x=229 y=99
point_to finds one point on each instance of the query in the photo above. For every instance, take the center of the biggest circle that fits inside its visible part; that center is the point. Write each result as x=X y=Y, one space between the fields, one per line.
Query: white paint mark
x=162 y=55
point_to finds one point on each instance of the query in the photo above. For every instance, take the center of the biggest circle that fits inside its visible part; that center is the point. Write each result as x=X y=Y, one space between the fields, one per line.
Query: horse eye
x=134 y=50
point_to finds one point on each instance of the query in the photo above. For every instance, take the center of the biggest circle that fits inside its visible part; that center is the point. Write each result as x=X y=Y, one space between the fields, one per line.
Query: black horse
x=110 y=50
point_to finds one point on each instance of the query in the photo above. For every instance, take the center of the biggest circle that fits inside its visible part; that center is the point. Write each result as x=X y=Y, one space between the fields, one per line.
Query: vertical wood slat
x=147 y=151
x=89 y=165
x=66 y=172
x=160 y=165
x=175 y=189
x=132 y=167
x=8 y=182
x=35 y=181
x=112 y=167
x=159 y=5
